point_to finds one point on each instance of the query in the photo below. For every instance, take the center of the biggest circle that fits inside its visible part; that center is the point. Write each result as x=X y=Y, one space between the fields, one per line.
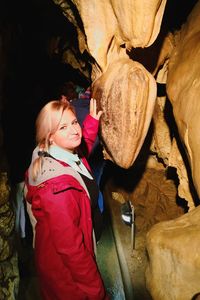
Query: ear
x=51 y=140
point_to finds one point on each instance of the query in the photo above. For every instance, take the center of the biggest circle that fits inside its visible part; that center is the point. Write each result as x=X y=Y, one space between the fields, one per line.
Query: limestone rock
x=106 y=25
x=173 y=270
x=126 y=93
x=9 y=273
x=183 y=88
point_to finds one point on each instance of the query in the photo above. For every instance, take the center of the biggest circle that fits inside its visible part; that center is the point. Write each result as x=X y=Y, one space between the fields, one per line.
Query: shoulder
x=65 y=182
x=60 y=187
x=57 y=184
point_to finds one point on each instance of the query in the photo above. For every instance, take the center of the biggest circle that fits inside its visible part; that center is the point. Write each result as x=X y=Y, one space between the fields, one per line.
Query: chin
x=76 y=144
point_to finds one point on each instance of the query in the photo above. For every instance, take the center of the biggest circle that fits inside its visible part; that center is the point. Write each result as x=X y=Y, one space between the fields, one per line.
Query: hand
x=63 y=99
x=93 y=109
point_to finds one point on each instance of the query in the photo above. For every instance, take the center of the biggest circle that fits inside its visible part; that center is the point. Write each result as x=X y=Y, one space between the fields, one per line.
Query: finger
x=99 y=114
x=94 y=106
x=91 y=106
x=63 y=99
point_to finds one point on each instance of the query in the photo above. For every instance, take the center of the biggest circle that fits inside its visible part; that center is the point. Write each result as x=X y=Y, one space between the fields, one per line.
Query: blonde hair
x=47 y=123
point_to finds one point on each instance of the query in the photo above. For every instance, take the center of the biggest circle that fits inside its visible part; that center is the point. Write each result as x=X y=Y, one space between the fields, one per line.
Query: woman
x=61 y=189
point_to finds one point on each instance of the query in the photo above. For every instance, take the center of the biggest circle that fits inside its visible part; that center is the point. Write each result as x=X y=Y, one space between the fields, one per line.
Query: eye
x=75 y=122
x=63 y=127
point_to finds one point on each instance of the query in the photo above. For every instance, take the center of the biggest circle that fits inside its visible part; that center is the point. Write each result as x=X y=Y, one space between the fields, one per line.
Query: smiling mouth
x=76 y=137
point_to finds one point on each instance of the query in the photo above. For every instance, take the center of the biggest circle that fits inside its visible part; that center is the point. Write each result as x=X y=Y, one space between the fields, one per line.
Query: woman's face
x=68 y=135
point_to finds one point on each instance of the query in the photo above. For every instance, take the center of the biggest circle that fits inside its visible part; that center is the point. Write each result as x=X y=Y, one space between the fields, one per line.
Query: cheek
x=80 y=132
x=60 y=138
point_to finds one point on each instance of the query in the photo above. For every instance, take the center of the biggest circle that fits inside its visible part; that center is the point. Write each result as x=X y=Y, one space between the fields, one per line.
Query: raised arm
x=91 y=126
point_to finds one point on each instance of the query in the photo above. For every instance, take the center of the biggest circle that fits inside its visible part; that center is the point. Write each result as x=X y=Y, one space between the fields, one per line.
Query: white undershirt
x=71 y=159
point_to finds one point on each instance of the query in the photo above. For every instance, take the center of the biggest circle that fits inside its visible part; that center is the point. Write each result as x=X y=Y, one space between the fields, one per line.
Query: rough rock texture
x=176 y=160
x=106 y=25
x=154 y=200
x=9 y=274
x=107 y=32
x=165 y=147
x=173 y=270
x=174 y=262
x=183 y=88
x=111 y=29
x=126 y=93
x=161 y=141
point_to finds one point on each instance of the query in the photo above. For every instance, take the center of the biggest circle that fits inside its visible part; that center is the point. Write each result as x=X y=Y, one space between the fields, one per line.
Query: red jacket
x=64 y=252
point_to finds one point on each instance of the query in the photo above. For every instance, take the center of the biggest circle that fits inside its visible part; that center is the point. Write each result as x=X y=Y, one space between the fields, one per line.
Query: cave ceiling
x=111 y=45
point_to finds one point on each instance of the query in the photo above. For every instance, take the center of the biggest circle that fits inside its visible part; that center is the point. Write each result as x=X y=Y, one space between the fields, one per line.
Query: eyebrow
x=66 y=124
x=62 y=124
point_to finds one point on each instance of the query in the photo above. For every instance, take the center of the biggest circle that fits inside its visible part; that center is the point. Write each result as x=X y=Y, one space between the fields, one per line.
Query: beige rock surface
x=111 y=30
x=183 y=88
x=154 y=200
x=109 y=24
x=173 y=271
x=126 y=93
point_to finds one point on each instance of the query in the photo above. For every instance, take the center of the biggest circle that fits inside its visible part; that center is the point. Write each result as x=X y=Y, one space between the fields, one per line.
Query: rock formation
x=9 y=274
x=173 y=269
x=108 y=39
x=126 y=92
x=109 y=33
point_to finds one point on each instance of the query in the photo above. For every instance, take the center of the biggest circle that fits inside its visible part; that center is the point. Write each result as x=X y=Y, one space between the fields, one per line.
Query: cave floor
x=130 y=248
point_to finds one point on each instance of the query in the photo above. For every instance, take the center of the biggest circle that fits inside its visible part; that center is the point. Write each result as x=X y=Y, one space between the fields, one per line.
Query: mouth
x=76 y=138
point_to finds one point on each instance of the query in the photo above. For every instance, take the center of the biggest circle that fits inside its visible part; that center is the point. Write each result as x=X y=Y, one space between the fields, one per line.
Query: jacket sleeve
x=63 y=213
x=90 y=131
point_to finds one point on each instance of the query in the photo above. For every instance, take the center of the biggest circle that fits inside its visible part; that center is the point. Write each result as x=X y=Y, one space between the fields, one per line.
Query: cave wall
x=171 y=263
x=118 y=49
x=112 y=40
x=183 y=90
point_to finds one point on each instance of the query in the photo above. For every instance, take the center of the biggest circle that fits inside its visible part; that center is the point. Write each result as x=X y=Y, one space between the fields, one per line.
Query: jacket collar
x=71 y=159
